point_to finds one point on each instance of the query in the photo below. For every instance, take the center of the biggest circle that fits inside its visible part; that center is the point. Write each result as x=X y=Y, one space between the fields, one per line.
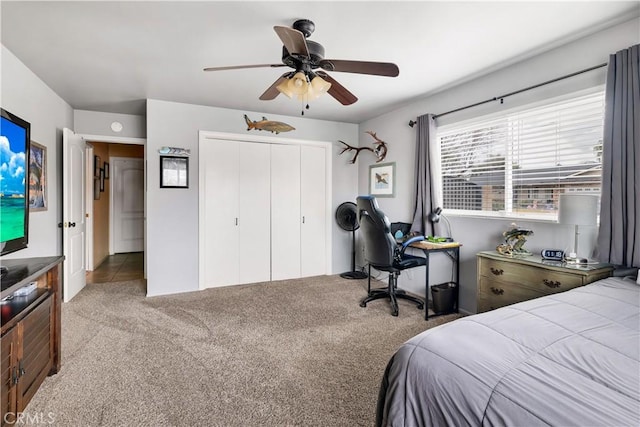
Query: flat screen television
x=15 y=137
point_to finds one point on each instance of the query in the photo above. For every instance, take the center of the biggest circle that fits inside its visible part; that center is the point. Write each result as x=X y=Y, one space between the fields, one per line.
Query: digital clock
x=553 y=254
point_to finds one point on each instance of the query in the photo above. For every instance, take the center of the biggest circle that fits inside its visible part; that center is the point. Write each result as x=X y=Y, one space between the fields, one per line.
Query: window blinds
x=518 y=163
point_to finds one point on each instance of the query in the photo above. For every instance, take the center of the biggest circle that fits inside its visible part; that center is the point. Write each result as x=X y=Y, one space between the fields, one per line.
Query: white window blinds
x=517 y=164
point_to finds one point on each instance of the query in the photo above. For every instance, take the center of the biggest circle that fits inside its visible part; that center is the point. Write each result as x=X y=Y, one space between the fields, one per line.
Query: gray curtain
x=425 y=196
x=619 y=233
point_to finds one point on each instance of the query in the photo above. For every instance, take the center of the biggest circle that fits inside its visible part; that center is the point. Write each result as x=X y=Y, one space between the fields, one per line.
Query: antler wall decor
x=379 y=148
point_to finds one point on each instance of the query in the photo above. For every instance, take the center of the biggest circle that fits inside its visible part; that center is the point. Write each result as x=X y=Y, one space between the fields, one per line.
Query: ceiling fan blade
x=272 y=91
x=293 y=40
x=339 y=92
x=361 y=67
x=239 y=67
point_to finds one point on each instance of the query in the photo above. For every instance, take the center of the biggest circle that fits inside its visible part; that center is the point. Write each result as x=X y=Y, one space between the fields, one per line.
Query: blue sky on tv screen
x=12 y=158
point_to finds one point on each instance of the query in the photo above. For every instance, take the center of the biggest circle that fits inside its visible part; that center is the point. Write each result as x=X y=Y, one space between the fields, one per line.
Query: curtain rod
x=501 y=97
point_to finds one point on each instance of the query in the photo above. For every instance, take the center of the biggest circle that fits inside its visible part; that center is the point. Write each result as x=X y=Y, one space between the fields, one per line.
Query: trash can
x=443 y=297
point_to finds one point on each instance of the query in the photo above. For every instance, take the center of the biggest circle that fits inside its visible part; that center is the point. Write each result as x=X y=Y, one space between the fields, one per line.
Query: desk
x=453 y=250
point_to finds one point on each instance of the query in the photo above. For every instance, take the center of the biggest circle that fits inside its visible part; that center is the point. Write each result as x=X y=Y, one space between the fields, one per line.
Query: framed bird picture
x=382 y=179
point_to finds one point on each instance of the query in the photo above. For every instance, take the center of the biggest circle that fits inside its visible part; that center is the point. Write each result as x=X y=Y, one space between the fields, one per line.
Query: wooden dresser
x=30 y=332
x=504 y=281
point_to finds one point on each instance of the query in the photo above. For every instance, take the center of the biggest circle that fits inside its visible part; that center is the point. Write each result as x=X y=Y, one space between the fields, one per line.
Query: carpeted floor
x=294 y=353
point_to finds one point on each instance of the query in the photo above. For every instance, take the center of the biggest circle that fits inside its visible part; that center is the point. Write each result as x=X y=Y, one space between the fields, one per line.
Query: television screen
x=14 y=209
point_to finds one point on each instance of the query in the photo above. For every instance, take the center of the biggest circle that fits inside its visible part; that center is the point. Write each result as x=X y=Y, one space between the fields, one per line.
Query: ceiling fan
x=310 y=78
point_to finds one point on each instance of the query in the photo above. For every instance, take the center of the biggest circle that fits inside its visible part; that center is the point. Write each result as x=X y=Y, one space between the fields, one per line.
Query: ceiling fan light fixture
x=298 y=83
x=319 y=86
x=284 y=89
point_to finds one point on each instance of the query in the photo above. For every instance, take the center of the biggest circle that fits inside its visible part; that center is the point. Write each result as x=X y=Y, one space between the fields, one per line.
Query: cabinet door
x=285 y=212
x=255 y=213
x=37 y=351
x=219 y=164
x=8 y=370
x=314 y=211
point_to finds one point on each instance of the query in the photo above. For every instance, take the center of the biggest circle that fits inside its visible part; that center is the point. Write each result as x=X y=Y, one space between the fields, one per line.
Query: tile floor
x=118 y=268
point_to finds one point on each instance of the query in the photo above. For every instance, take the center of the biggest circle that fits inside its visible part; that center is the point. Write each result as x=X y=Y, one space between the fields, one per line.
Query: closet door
x=219 y=161
x=313 y=195
x=255 y=213
x=285 y=211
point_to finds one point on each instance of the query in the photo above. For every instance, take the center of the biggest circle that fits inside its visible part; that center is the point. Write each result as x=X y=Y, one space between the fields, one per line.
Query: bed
x=567 y=359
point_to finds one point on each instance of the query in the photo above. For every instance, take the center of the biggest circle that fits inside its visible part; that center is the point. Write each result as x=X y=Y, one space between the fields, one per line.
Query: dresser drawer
x=536 y=278
x=494 y=294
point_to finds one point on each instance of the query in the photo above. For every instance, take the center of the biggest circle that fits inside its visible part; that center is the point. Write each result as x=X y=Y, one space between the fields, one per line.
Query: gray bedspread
x=568 y=359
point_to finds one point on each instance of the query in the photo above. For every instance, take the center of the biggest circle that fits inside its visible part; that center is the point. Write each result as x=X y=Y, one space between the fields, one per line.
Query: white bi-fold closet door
x=263 y=211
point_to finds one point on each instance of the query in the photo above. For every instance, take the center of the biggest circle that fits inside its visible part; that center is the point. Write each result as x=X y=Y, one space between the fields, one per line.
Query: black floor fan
x=347 y=218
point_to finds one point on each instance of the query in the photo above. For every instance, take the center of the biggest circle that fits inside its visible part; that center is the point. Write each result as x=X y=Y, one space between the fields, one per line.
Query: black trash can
x=443 y=297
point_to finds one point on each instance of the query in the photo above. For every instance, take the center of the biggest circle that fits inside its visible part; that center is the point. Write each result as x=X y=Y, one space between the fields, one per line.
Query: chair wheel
x=363 y=304
x=394 y=313
x=421 y=306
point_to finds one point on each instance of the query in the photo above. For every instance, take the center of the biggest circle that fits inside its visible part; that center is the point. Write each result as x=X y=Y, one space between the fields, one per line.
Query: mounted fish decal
x=268 y=125
x=379 y=148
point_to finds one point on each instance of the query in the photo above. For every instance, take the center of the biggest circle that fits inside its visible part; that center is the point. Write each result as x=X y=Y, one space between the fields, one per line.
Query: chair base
x=354 y=275
x=393 y=296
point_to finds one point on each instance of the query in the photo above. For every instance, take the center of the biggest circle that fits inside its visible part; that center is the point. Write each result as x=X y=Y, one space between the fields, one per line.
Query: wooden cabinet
x=30 y=332
x=504 y=281
x=263 y=211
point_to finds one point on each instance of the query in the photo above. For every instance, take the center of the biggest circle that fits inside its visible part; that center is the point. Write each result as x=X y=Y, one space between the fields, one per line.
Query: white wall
x=28 y=97
x=172 y=214
x=99 y=123
x=478 y=234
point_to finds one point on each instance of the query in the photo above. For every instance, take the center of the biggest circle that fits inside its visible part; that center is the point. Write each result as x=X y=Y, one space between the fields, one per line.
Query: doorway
x=110 y=202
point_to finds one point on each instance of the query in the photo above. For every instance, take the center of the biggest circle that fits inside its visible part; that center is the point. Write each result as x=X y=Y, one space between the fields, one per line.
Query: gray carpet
x=294 y=353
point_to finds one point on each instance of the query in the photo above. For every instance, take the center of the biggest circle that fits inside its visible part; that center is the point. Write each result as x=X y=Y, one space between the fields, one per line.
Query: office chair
x=383 y=253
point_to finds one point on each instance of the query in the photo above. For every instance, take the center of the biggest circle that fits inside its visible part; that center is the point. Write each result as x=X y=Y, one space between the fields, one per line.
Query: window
x=518 y=163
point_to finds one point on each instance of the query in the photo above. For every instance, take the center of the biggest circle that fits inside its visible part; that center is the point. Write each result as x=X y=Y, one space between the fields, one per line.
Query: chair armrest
x=406 y=244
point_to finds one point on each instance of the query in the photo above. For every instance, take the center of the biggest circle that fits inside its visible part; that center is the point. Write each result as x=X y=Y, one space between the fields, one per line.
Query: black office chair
x=383 y=253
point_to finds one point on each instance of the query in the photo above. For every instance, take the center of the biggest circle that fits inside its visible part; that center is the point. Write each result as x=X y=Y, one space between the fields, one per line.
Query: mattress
x=567 y=359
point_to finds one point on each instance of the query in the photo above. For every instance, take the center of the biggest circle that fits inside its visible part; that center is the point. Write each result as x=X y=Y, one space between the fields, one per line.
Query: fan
x=305 y=56
x=347 y=218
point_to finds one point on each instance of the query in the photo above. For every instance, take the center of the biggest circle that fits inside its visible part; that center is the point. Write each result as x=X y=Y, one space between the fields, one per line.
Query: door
x=254 y=204
x=73 y=213
x=285 y=211
x=127 y=176
x=219 y=214
x=313 y=203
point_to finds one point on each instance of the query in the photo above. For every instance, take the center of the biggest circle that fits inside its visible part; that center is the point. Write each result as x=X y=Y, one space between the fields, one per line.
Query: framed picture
x=106 y=170
x=102 y=180
x=37 y=177
x=96 y=166
x=382 y=179
x=96 y=188
x=174 y=172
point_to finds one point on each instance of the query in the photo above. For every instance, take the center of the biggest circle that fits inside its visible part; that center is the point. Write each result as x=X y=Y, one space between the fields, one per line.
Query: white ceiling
x=111 y=56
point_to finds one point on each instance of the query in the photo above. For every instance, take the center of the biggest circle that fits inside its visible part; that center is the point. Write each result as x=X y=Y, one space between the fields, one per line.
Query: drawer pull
x=497 y=272
x=551 y=283
x=497 y=291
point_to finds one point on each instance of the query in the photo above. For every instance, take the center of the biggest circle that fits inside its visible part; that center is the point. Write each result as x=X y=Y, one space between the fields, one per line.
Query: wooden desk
x=453 y=250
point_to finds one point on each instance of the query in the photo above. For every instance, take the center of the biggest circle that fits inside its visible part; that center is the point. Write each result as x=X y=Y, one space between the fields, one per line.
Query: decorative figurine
x=268 y=125
x=514 y=238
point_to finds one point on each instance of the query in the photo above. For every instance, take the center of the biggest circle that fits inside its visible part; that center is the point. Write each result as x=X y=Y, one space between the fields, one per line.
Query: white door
x=73 y=213
x=254 y=202
x=285 y=211
x=127 y=188
x=314 y=211
x=219 y=213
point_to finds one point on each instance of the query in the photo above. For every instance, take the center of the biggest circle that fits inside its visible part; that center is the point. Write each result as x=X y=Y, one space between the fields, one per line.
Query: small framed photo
x=102 y=180
x=96 y=166
x=174 y=172
x=382 y=179
x=37 y=177
x=96 y=188
x=106 y=170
